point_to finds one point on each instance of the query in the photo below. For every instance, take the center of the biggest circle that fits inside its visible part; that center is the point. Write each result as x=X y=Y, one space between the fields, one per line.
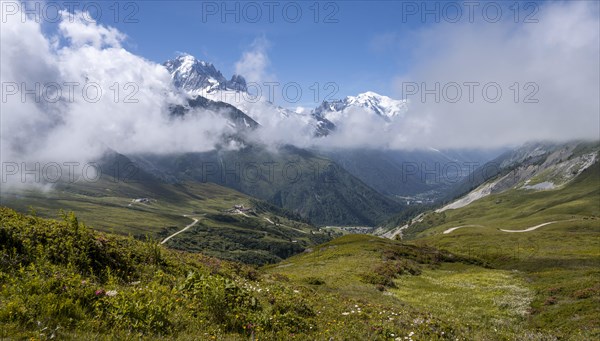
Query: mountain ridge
x=191 y=74
x=197 y=77
x=372 y=103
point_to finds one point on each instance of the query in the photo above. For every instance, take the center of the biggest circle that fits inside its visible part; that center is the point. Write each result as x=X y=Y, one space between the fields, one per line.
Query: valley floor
x=63 y=280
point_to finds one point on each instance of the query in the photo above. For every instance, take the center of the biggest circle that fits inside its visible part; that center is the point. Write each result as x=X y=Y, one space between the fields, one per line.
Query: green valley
x=306 y=170
x=145 y=207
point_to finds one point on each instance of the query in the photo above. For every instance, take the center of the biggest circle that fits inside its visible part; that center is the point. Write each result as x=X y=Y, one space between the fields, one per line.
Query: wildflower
x=411 y=334
x=345 y=313
x=99 y=292
x=111 y=293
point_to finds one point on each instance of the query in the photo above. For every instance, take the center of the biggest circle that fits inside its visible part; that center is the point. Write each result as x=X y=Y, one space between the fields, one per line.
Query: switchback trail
x=532 y=228
x=182 y=230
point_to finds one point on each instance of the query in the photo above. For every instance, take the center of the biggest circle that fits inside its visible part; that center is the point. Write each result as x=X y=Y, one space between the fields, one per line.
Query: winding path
x=532 y=228
x=538 y=226
x=182 y=230
x=459 y=227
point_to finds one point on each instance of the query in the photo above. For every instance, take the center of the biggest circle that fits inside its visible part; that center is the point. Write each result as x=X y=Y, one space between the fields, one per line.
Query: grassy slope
x=473 y=302
x=353 y=287
x=64 y=280
x=561 y=262
x=108 y=206
x=292 y=178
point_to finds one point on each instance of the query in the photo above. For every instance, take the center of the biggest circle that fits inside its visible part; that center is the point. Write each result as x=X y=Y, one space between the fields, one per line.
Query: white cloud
x=277 y=124
x=558 y=55
x=81 y=30
x=254 y=63
x=131 y=115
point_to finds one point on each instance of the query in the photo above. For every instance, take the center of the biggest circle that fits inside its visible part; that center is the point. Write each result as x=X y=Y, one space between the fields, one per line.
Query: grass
x=560 y=263
x=336 y=263
x=67 y=281
x=476 y=283
x=108 y=207
x=493 y=302
x=518 y=209
x=63 y=280
x=292 y=178
x=472 y=301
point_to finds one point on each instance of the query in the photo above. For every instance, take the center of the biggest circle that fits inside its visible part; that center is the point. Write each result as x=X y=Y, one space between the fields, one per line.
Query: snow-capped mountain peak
x=201 y=78
x=371 y=102
x=195 y=76
x=383 y=105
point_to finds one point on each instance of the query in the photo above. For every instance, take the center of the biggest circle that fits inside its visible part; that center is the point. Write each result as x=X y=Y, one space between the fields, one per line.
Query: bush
x=289 y=311
x=587 y=292
x=315 y=281
x=550 y=300
x=385 y=273
x=221 y=297
x=142 y=310
x=378 y=279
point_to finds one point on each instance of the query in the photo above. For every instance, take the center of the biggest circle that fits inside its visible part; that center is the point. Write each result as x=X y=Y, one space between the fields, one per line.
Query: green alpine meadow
x=291 y=170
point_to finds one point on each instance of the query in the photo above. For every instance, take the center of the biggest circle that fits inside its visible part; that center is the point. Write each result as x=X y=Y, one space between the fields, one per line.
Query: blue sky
x=358 y=45
x=543 y=75
x=306 y=52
